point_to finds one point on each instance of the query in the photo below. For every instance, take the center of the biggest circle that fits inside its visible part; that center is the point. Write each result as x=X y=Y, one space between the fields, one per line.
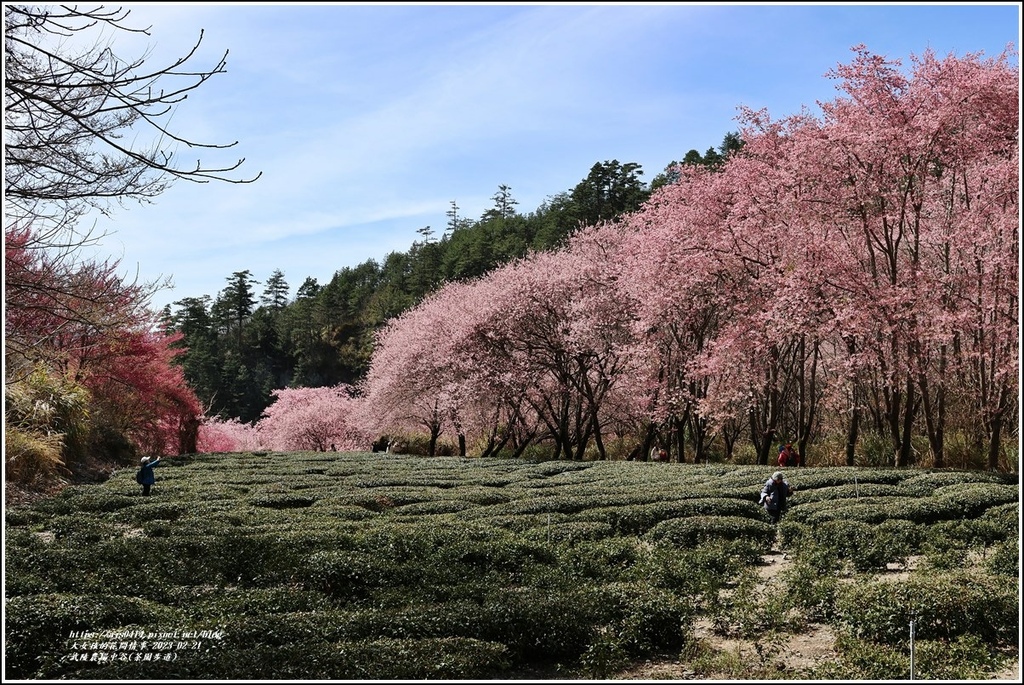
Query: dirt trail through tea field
x=802 y=651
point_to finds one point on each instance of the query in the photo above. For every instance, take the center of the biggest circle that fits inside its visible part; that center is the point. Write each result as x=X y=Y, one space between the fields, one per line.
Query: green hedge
x=37 y=628
x=942 y=607
x=693 y=530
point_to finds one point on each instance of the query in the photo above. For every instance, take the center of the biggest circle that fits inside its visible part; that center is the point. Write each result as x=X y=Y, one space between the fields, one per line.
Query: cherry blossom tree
x=311 y=419
x=82 y=322
x=903 y=165
x=842 y=252
x=860 y=265
x=228 y=435
x=140 y=393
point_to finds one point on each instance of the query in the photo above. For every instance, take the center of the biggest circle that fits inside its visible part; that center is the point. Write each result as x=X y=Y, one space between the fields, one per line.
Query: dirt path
x=802 y=651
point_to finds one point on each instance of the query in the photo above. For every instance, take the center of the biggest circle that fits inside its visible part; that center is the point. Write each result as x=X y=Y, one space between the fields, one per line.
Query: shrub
x=646 y=619
x=447 y=658
x=349 y=575
x=942 y=607
x=971 y=500
x=604 y=656
x=227 y=604
x=866 y=547
x=966 y=657
x=283 y=500
x=571 y=531
x=859 y=659
x=689 y=532
x=812 y=583
x=1005 y=559
x=1007 y=515
x=541 y=625
x=963 y=658
x=152 y=511
x=603 y=559
x=966 y=534
x=37 y=628
x=638 y=519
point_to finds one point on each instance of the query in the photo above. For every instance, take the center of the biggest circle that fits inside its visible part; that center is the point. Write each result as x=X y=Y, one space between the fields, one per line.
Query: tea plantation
x=359 y=566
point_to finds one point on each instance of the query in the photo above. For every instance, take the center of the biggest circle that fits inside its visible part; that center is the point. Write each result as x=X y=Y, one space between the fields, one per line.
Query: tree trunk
x=852 y=433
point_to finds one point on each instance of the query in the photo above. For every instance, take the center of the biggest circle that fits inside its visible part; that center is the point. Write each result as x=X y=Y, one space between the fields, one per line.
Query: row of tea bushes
x=374 y=566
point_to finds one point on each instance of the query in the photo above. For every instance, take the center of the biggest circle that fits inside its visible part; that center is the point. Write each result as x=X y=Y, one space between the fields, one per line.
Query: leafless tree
x=72 y=115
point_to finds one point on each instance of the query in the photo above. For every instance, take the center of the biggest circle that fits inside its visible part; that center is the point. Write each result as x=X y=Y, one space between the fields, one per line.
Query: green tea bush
x=942 y=606
x=351 y=575
x=283 y=500
x=252 y=560
x=1006 y=515
x=691 y=531
x=449 y=658
x=519 y=524
x=603 y=559
x=748 y=609
x=274 y=630
x=805 y=479
x=641 y=518
x=343 y=510
x=505 y=554
x=846 y=492
x=971 y=500
x=82 y=528
x=75 y=499
x=1005 y=559
x=925 y=510
x=725 y=557
x=17 y=516
x=449 y=506
x=859 y=659
x=542 y=625
x=571 y=531
x=966 y=534
x=604 y=656
x=965 y=657
x=37 y=627
x=221 y=604
x=812 y=583
x=647 y=619
x=926 y=482
x=548 y=504
x=456 y=617
x=152 y=511
x=317 y=534
x=866 y=547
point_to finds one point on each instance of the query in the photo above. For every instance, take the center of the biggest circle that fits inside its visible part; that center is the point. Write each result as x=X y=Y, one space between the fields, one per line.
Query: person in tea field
x=775 y=496
x=145 y=477
x=788 y=456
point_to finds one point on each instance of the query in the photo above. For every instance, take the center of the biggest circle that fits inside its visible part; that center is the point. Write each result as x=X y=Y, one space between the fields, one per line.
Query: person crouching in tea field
x=774 y=495
x=145 y=477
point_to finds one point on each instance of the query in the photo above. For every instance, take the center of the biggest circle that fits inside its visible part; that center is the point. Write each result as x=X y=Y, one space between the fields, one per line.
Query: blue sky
x=368 y=120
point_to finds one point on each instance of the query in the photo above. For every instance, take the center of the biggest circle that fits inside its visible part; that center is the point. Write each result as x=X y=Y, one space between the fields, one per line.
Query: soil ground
x=803 y=650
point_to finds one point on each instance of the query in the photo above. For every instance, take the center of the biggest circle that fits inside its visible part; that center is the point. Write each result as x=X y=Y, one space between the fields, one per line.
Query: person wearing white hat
x=145 y=476
x=774 y=495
